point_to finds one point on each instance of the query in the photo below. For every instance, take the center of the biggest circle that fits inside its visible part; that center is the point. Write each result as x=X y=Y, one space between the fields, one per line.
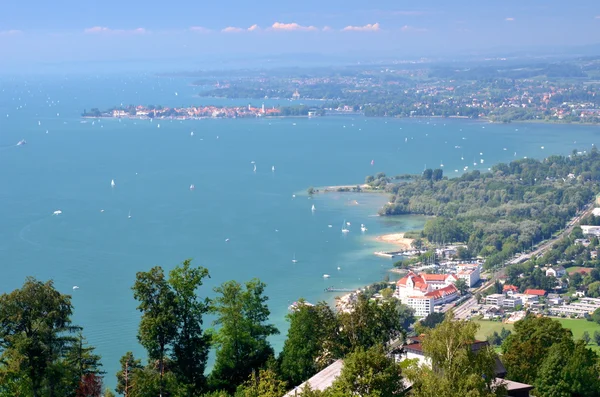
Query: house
x=582 y=241
x=535 y=292
x=469 y=272
x=423 y=292
x=509 y=289
x=555 y=271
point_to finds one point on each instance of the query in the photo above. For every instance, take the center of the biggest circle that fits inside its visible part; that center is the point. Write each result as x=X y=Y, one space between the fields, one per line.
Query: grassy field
x=577 y=327
x=578 y=269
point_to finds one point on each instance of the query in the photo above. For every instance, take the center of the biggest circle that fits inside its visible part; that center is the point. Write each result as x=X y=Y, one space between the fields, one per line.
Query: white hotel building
x=424 y=291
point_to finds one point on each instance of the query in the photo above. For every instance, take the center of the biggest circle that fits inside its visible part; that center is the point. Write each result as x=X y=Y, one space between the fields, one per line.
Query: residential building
x=509 y=289
x=556 y=271
x=512 y=302
x=590 y=230
x=469 y=272
x=495 y=299
x=424 y=291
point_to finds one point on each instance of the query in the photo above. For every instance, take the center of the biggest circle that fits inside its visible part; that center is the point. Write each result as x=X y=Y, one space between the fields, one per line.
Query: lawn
x=577 y=327
x=487 y=328
x=578 y=269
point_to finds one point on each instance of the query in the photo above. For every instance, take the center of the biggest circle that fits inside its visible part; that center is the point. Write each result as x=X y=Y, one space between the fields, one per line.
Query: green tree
x=569 y=369
x=82 y=361
x=158 y=325
x=305 y=342
x=437 y=174
x=586 y=337
x=34 y=325
x=241 y=340
x=371 y=322
x=191 y=344
x=525 y=349
x=108 y=393
x=597 y=337
x=594 y=289
x=266 y=384
x=427 y=174
x=369 y=373
x=462 y=286
x=125 y=376
x=457 y=369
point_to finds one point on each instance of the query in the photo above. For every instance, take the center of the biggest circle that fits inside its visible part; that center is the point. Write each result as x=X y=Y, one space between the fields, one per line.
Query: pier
x=389 y=255
x=331 y=289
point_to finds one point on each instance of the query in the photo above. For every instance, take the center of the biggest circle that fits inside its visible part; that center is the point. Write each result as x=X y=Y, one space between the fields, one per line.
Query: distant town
x=199 y=112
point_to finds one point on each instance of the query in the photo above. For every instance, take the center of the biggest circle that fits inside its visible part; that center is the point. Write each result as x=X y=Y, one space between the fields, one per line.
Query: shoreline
x=397 y=239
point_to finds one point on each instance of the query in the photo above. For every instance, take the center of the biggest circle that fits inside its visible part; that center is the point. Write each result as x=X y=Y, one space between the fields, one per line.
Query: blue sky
x=114 y=30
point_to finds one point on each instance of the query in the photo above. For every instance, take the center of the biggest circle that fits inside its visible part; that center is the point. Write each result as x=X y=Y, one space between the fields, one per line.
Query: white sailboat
x=112 y=183
x=192 y=133
x=254 y=167
x=313 y=209
x=326 y=276
x=344 y=229
x=363 y=228
x=273 y=168
x=129 y=215
x=192 y=187
x=294 y=259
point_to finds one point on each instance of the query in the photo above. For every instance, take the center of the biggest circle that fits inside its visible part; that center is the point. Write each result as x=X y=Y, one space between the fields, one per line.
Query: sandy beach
x=396 y=239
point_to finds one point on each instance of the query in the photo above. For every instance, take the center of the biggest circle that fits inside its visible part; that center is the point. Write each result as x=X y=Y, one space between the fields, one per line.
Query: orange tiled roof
x=440 y=293
x=538 y=292
x=508 y=287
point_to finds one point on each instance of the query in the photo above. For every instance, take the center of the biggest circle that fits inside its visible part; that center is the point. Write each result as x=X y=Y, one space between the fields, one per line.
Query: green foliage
x=586 y=337
x=462 y=286
x=241 y=340
x=308 y=347
x=266 y=384
x=502 y=212
x=38 y=352
x=569 y=369
x=158 y=325
x=524 y=351
x=190 y=346
x=597 y=337
x=372 y=322
x=129 y=365
x=310 y=191
x=594 y=289
x=369 y=373
x=456 y=368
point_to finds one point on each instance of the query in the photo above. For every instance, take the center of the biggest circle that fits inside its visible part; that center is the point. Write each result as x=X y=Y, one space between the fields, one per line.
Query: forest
x=504 y=211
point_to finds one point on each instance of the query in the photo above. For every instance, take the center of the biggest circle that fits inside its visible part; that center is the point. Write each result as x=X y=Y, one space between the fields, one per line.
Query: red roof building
x=536 y=292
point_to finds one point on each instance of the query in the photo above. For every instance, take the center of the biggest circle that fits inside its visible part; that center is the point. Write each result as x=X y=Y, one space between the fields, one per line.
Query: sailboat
x=254 y=167
x=192 y=133
x=273 y=168
x=129 y=215
x=294 y=259
x=192 y=187
x=112 y=183
x=363 y=228
x=313 y=209
x=372 y=162
x=344 y=229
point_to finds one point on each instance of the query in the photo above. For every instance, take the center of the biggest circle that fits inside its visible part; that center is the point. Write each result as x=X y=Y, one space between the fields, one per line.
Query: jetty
x=389 y=254
x=332 y=289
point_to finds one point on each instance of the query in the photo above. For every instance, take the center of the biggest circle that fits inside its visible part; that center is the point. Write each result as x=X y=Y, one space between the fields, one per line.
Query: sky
x=42 y=31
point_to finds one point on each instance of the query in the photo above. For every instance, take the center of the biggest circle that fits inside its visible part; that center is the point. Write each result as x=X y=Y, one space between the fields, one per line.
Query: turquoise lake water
x=70 y=169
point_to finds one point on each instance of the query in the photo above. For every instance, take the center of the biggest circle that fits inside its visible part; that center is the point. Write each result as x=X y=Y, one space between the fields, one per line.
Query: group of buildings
x=424 y=292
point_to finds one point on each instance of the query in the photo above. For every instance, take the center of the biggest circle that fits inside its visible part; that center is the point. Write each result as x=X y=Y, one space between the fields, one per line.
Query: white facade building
x=469 y=272
x=424 y=291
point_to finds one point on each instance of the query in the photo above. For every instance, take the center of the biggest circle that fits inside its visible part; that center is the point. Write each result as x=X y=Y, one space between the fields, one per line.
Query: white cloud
x=253 y=28
x=327 y=29
x=407 y=28
x=200 y=29
x=12 y=32
x=291 y=26
x=232 y=29
x=370 y=27
x=509 y=19
x=104 y=29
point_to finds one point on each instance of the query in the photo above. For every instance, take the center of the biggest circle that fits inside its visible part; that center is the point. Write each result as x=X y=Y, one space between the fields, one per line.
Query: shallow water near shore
x=94 y=244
